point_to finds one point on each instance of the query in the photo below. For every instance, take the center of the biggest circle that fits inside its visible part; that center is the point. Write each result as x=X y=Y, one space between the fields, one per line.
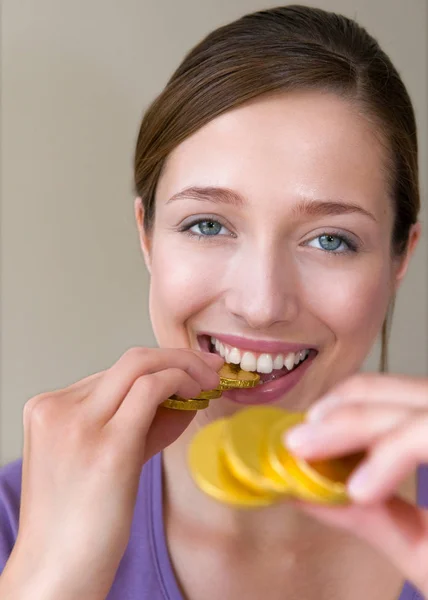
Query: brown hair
x=284 y=49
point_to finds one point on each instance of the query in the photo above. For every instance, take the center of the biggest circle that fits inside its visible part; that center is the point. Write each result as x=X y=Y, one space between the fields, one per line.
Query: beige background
x=76 y=75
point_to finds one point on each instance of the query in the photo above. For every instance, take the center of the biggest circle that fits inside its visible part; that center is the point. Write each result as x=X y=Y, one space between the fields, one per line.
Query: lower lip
x=272 y=390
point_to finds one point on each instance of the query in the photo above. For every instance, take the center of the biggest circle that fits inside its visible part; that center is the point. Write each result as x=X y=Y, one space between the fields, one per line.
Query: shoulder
x=10 y=500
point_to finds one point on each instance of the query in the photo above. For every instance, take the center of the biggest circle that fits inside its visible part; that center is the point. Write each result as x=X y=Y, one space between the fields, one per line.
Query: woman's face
x=272 y=235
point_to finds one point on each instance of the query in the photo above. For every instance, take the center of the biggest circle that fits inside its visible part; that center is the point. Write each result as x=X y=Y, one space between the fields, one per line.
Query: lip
x=273 y=390
x=253 y=345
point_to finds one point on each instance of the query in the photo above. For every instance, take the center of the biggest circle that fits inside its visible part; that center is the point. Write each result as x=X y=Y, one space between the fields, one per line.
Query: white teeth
x=289 y=361
x=234 y=356
x=278 y=363
x=248 y=362
x=265 y=363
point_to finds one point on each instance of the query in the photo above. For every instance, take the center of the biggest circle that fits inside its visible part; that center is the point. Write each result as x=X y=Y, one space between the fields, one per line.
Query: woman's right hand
x=84 y=447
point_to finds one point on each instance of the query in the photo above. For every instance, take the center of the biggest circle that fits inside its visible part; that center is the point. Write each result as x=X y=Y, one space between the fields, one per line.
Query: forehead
x=297 y=144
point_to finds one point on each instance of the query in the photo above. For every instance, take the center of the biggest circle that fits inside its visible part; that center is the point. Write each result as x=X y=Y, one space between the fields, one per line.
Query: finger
x=83 y=385
x=390 y=461
x=373 y=388
x=136 y=413
x=396 y=528
x=349 y=428
x=136 y=362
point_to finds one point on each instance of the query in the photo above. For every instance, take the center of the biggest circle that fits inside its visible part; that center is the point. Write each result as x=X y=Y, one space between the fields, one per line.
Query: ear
x=144 y=238
x=403 y=262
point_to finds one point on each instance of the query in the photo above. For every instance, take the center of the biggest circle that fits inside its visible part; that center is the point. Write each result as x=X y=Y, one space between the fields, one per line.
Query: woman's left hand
x=387 y=416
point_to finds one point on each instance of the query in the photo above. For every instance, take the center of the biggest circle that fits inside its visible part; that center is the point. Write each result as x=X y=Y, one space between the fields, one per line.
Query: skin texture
x=265 y=277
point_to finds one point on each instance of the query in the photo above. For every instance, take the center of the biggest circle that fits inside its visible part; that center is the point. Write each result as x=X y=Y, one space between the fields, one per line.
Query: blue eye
x=206 y=228
x=335 y=244
x=330 y=242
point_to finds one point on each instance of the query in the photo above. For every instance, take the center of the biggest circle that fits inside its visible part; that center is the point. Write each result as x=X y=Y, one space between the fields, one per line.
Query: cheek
x=183 y=282
x=351 y=300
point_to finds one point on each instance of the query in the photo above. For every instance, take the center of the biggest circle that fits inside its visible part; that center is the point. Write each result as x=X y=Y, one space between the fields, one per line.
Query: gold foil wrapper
x=231 y=377
x=185 y=404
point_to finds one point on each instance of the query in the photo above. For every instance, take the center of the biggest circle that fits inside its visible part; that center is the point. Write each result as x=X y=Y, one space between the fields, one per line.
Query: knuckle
x=40 y=410
x=135 y=353
x=177 y=374
x=146 y=385
x=31 y=405
x=182 y=378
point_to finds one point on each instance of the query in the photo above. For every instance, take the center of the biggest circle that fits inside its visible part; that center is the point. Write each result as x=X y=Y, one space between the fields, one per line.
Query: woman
x=277 y=211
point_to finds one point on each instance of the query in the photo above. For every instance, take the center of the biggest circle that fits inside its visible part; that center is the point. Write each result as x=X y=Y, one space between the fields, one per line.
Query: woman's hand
x=387 y=416
x=84 y=447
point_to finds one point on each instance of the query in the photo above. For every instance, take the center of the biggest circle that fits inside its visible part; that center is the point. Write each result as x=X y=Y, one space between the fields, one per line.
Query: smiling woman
x=293 y=189
x=277 y=209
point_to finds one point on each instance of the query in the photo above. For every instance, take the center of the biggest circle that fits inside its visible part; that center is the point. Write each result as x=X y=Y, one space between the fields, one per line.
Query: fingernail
x=360 y=485
x=318 y=411
x=300 y=436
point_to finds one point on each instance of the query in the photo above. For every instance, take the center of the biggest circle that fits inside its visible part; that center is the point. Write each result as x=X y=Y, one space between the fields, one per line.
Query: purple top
x=145 y=572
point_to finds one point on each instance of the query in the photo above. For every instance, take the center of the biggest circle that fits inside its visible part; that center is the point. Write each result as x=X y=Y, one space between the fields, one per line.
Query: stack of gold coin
x=242 y=461
x=231 y=377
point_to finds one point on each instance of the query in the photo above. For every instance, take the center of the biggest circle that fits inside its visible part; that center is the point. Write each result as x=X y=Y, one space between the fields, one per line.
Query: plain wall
x=76 y=77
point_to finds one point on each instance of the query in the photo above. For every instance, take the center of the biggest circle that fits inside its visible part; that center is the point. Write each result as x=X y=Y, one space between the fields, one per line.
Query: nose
x=263 y=289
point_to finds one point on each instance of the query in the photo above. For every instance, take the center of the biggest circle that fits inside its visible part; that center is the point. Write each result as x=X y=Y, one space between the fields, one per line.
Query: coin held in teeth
x=231 y=377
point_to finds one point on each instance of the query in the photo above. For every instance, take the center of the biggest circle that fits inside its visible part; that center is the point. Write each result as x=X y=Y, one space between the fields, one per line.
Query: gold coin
x=278 y=456
x=245 y=448
x=208 y=395
x=210 y=473
x=322 y=482
x=232 y=377
x=183 y=404
x=330 y=476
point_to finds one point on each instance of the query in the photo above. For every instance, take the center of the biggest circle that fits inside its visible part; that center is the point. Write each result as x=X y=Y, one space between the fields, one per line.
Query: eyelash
x=199 y=236
x=352 y=245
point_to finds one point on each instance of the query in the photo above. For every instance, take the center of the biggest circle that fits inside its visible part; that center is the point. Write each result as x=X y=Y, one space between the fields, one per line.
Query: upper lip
x=253 y=345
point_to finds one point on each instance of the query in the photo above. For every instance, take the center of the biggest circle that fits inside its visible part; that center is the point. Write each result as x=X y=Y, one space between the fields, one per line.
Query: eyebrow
x=218 y=195
x=304 y=208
